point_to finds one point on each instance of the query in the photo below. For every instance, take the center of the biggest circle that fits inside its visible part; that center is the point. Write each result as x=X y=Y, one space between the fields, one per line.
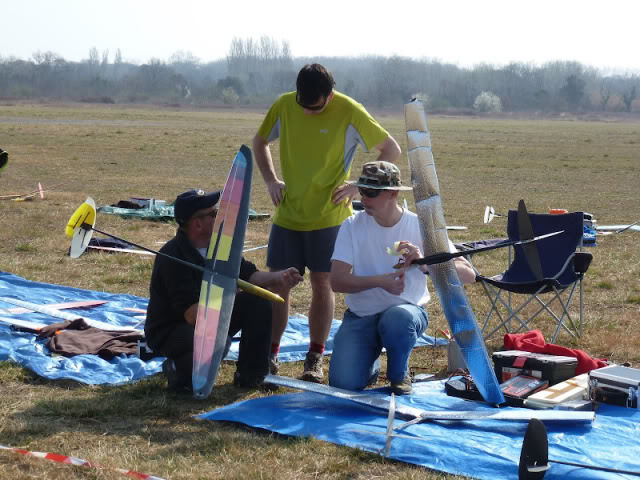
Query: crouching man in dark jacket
x=175 y=292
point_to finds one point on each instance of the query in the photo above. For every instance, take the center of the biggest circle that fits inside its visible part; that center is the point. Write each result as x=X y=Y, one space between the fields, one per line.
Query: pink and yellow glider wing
x=218 y=289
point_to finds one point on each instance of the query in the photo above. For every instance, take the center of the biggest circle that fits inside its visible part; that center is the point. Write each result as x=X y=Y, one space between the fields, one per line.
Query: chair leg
x=581 y=303
x=565 y=307
x=565 y=313
x=513 y=314
x=559 y=320
x=564 y=321
x=493 y=296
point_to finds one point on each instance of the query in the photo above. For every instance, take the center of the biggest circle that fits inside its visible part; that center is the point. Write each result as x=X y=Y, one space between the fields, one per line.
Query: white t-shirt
x=362 y=243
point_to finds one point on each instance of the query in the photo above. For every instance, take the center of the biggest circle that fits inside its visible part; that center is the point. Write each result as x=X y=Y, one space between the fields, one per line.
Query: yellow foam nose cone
x=85 y=213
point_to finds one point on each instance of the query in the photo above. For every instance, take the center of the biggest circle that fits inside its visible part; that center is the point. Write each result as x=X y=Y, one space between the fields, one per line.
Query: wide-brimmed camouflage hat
x=380 y=175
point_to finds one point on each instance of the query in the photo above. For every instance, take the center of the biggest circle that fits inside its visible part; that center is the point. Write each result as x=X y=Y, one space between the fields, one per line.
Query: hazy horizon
x=464 y=33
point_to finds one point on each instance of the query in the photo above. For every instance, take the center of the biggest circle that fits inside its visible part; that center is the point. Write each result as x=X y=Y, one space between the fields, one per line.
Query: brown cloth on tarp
x=76 y=337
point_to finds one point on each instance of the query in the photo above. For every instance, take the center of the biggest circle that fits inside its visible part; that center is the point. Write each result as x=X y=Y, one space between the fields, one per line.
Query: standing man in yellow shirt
x=319 y=130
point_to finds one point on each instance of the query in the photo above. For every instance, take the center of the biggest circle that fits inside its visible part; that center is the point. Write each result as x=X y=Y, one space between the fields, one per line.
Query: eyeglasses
x=369 y=192
x=313 y=108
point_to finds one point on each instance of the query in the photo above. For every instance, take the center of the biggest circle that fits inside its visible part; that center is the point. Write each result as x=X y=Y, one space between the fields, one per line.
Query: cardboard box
x=576 y=388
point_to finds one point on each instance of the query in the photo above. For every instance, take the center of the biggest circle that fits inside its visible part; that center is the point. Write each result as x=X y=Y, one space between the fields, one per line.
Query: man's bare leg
x=320 y=318
x=322 y=309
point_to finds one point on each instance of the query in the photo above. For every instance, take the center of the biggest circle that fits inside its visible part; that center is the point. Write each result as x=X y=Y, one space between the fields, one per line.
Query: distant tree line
x=257 y=71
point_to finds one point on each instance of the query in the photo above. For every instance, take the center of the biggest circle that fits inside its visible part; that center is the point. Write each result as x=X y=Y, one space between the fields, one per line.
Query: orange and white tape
x=56 y=457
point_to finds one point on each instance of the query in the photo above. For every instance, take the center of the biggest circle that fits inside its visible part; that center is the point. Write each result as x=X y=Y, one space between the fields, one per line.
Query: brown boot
x=313 y=368
x=404 y=387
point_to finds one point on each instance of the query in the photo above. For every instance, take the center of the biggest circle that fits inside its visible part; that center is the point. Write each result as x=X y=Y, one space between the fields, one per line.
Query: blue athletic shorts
x=293 y=248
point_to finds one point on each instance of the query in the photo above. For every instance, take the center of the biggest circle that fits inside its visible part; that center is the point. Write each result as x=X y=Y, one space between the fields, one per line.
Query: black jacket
x=175 y=287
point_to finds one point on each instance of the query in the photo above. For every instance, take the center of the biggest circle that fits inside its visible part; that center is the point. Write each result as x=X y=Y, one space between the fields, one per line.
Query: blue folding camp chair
x=563 y=265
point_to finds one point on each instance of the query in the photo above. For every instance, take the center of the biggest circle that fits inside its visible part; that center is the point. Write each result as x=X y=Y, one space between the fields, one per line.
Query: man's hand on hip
x=275 y=191
x=344 y=193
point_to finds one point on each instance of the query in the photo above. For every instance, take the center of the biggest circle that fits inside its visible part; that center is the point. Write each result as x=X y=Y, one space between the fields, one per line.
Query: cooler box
x=554 y=368
x=616 y=385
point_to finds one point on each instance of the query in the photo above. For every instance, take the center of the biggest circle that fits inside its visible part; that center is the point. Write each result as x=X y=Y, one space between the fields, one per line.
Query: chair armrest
x=581 y=262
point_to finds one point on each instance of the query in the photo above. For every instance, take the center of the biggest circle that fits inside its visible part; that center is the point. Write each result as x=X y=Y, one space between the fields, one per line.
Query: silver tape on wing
x=445 y=279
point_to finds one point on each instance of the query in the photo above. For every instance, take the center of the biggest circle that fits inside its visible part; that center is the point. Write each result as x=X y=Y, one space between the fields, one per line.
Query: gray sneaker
x=313 y=368
x=404 y=387
x=274 y=364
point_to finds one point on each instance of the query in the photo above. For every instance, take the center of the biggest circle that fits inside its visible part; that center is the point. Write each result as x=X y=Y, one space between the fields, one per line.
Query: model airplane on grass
x=19 y=324
x=490 y=214
x=21 y=197
x=615 y=229
x=58 y=313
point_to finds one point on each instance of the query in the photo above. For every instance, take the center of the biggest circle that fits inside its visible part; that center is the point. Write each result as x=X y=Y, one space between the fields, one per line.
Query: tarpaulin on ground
x=29 y=351
x=484 y=450
x=26 y=350
x=295 y=340
x=158 y=212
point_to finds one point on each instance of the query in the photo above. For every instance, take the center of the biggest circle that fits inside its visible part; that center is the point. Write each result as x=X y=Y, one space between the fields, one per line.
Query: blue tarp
x=485 y=450
x=26 y=350
x=295 y=340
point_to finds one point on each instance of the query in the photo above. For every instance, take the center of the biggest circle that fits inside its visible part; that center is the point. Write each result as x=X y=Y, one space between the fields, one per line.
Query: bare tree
x=605 y=92
x=629 y=97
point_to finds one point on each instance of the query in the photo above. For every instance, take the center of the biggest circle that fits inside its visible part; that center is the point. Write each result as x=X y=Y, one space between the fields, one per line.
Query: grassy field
x=112 y=153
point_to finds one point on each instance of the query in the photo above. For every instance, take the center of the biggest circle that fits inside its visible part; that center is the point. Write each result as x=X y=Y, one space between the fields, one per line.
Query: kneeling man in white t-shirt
x=385 y=306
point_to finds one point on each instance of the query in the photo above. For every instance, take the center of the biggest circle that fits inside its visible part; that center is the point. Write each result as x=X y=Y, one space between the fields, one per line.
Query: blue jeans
x=355 y=361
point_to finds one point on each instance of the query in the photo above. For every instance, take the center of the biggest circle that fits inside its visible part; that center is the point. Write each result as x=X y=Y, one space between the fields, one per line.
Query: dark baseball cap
x=190 y=202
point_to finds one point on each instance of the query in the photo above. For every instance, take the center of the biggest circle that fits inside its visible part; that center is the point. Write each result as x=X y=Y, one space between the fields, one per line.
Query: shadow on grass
x=144 y=408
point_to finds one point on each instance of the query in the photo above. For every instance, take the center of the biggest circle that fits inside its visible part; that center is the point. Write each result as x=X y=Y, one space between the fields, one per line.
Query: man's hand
x=287 y=279
x=410 y=253
x=279 y=282
x=191 y=314
x=344 y=193
x=275 y=191
x=393 y=282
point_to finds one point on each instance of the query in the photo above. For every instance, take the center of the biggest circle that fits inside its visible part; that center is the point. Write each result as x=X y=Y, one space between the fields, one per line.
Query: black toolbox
x=616 y=385
x=554 y=368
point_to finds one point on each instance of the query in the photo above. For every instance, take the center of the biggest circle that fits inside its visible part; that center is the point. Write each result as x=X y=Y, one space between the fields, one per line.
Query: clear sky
x=464 y=32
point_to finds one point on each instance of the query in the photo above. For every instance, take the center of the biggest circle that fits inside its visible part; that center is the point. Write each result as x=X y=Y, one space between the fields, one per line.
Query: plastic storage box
x=554 y=368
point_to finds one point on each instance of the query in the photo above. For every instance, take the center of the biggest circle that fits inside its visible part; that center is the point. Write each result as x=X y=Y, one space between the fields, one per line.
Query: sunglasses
x=313 y=108
x=369 y=192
